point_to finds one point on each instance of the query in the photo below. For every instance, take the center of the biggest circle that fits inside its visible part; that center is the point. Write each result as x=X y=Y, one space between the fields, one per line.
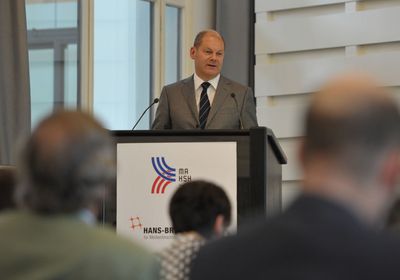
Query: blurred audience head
x=351 y=150
x=7 y=186
x=66 y=165
x=202 y=207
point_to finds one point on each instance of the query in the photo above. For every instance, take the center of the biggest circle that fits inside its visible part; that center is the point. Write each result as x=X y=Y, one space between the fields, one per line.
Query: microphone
x=233 y=95
x=152 y=103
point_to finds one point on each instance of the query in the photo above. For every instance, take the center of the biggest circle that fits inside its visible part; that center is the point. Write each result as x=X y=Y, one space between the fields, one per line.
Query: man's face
x=208 y=57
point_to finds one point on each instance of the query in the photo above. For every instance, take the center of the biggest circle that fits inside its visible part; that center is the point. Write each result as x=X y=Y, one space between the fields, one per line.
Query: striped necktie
x=204 y=105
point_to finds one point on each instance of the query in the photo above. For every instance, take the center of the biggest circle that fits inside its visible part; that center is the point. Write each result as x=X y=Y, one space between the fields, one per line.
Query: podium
x=258 y=166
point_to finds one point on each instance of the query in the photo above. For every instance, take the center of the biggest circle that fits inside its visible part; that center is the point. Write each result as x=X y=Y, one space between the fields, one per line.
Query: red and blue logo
x=166 y=175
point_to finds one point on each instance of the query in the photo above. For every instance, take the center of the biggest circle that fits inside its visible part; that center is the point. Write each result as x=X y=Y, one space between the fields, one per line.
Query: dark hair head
x=66 y=164
x=195 y=206
x=199 y=37
x=354 y=123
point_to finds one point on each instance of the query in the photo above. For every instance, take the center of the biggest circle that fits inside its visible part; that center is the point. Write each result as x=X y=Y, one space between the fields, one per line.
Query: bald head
x=340 y=95
x=352 y=121
x=66 y=163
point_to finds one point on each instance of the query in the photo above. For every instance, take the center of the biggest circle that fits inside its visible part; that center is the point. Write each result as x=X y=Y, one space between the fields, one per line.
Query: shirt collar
x=198 y=81
x=86 y=216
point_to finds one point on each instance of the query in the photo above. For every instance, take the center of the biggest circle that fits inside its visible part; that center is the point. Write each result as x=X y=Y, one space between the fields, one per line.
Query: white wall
x=299 y=43
x=203 y=15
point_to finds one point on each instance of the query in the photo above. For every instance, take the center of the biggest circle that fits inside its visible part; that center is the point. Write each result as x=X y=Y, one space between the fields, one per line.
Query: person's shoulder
x=236 y=85
x=231 y=257
x=20 y=219
x=107 y=237
x=122 y=255
x=9 y=219
x=179 y=83
x=9 y=214
x=384 y=243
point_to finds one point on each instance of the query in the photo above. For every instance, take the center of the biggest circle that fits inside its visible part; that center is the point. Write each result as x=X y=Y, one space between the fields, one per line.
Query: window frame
x=57 y=40
x=86 y=30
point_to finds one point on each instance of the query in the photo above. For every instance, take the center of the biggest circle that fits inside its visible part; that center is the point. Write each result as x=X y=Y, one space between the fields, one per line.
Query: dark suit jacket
x=177 y=107
x=313 y=239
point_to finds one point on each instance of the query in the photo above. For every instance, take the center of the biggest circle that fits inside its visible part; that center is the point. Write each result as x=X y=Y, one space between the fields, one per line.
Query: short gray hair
x=199 y=37
x=66 y=164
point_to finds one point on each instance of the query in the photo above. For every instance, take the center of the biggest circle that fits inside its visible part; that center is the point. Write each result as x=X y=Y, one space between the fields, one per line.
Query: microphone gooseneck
x=233 y=95
x=141 y=116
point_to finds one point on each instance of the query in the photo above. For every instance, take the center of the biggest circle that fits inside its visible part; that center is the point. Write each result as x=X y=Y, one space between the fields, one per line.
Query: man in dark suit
x=351 y=162
x=206 y=100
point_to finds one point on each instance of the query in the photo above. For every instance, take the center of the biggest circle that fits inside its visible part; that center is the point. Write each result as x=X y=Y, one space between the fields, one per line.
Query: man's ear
x=219 y=225
x=193 y=52
x=390 y=175
x=300 y=152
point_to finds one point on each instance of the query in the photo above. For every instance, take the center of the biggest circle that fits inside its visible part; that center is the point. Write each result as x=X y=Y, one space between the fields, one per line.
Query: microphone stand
x=233 y=95
x=141 y=116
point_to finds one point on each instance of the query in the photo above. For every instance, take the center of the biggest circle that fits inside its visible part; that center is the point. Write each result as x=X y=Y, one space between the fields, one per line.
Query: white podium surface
x=149 y=173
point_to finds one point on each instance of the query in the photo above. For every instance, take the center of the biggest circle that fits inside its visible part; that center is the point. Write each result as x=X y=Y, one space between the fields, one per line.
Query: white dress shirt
x=210 y=91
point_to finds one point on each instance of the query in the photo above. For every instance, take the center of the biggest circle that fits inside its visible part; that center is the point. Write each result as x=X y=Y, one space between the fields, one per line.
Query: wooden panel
x=306 y=76
x=286 y=121
x=329 y=31
x=276 y=5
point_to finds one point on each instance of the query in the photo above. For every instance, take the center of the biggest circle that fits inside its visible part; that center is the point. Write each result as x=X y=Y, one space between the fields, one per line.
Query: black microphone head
x=155 y=100
x=233 y=95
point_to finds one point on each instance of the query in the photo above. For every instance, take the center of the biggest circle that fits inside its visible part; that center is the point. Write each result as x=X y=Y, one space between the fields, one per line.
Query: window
x=131 y=48
x=122 y=61
x=131 y=60
x=53 y=55
x=172 y=44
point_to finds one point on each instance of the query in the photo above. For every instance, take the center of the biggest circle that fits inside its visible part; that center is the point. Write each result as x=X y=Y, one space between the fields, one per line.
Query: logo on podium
x=166 y=175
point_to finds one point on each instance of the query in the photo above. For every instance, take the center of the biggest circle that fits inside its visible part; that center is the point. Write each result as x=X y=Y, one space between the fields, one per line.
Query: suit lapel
x=188 y=94
x=219 y=98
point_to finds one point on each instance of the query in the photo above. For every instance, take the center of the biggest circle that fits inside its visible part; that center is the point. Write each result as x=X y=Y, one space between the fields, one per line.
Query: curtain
x=14 y=78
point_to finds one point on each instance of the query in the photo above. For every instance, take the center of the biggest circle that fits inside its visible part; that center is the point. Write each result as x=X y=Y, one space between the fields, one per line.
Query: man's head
x=352 y=138
x=208 y=54
x=66 y=164
x=200 y=206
